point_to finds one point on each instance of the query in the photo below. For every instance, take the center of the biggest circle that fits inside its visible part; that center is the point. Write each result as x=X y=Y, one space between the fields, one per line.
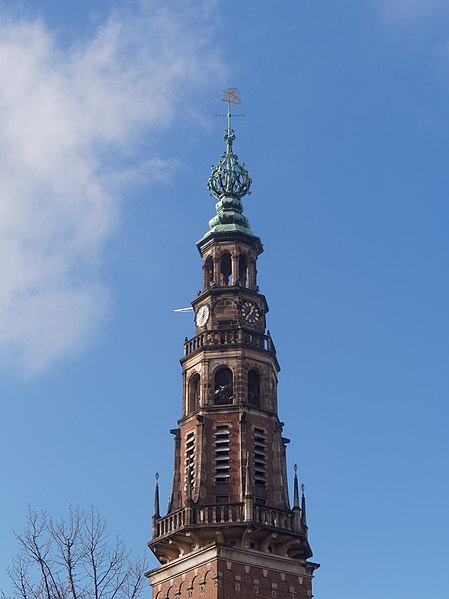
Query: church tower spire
x=230 y=524
x=229 y=182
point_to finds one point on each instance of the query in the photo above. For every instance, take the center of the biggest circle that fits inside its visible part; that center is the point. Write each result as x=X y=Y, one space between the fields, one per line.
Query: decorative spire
x=303 y=507
x=296 y=489
x=249 y=498
x=156 y=511
x=189 y=486
x=229 y=178
x=229 y=181
x=248 y=489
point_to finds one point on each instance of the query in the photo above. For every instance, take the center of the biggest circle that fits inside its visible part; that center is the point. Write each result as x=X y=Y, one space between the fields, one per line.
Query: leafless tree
x=72 y=559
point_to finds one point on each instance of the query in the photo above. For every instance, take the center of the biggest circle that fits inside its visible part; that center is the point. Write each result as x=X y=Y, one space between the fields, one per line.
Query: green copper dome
x=229 y=182
x=229 y=178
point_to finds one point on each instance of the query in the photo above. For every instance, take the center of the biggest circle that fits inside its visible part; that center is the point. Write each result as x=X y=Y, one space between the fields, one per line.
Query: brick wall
x=223 y=579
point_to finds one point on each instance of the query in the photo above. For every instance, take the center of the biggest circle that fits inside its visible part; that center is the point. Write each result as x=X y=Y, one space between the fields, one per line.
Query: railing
x=222 y=515
x=219 y=338
x=270 y=517
x=170 y=523
x=218 y=514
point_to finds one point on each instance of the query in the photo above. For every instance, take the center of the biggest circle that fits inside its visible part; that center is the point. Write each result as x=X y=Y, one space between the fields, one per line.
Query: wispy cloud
x=62 y=112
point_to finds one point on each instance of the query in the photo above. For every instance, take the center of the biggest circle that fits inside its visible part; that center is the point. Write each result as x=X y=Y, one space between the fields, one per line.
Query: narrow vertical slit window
x=222 y=454
x=253 y=387
x=194 y=392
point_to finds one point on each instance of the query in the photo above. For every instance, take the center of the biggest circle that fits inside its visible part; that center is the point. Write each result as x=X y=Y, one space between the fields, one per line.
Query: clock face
x=250 y=312
x=202 y=316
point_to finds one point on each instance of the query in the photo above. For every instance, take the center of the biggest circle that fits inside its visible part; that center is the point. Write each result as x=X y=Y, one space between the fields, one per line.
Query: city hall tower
x=230 y=530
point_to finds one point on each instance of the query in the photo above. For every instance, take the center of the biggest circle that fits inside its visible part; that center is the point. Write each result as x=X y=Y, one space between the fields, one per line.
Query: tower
x=230 y=530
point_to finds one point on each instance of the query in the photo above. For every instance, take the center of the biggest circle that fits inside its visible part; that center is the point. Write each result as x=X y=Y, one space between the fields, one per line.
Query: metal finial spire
x=303 y=507
x=230 y=179
x=228 y=182
x=231 y=96
x=156 y=510
x=295 y=488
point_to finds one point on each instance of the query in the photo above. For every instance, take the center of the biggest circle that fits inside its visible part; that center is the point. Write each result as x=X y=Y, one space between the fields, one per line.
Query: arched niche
x=223 y=386
x=194 y=392
x=208 y=272
x=254 y=387
x=225 y=269
x=243 y=271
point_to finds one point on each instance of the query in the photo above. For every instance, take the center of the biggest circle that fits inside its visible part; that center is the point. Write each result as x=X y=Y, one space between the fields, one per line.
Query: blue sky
x=107 y=137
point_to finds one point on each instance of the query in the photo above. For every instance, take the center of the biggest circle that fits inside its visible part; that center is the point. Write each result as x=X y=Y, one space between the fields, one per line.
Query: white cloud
x=62 y=112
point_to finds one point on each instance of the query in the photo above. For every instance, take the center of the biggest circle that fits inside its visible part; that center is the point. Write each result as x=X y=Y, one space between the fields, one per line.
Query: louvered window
x=260 y=457
x=222 y=457
x=190 y=460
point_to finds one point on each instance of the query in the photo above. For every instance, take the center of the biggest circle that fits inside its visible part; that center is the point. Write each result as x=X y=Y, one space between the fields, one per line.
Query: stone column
x=235 y=268
x=217 y=271
x=252 y=273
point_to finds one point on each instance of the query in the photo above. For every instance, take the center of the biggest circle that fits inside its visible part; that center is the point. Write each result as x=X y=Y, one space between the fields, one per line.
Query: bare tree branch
x=72 y=559
x=66 y=538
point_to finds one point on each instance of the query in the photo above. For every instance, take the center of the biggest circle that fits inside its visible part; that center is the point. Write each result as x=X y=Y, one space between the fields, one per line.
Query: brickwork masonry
x=218 y=572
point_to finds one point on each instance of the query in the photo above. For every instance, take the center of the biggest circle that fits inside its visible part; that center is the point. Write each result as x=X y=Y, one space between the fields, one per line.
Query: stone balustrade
x=218 y=514
x=219 y=338
x=271 y=517
x=222 y=515
x=170 y=523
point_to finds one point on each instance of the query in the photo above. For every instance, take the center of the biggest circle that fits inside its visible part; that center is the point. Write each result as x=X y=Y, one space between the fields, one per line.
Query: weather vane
x=231 y=96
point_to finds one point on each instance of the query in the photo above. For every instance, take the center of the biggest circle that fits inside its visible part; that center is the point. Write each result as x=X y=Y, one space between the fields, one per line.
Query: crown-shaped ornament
x=229 y=178
x=229 y=182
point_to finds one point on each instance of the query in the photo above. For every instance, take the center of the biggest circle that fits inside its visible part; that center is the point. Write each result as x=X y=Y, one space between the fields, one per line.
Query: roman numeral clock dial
x=250 y=312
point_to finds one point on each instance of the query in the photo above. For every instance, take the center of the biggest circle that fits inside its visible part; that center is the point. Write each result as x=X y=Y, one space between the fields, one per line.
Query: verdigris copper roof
x=229 y=178
x=229 y=182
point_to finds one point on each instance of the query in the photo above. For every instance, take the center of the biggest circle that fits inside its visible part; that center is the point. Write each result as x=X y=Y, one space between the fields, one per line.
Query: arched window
x=223 y=388
x=208 y=273
x=243 y=271
x=225 y=269
x=194 y=392
x=253 y=387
